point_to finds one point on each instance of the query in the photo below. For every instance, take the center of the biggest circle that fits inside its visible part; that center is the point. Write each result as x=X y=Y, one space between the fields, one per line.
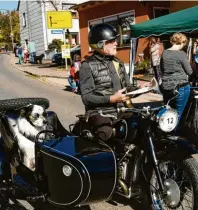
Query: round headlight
x=168 y=120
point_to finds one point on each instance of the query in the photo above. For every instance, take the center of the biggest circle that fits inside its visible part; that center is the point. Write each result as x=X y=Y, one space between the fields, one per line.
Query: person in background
x=20 y=53
x=195 y=53
x=25 y=51
x=103 y=79
x=15 y=50
x=6 y=49
x=32 y=51
x=155 y=52
x=175 y=72
x=73 y=78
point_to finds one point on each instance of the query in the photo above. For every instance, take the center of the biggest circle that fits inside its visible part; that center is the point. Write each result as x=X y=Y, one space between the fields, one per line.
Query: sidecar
x=70 y=171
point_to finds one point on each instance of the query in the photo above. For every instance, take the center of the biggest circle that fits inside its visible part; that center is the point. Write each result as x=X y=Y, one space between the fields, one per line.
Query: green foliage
x=8 y=44
x=5 y=28
x=145 y=64
x=56 y=44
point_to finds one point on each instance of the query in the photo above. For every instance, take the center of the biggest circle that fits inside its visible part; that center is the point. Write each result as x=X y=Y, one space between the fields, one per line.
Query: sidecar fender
x=1 y=158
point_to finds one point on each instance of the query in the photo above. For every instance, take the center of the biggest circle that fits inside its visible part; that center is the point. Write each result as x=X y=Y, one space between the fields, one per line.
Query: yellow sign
x=65 y=51
x=59 y=19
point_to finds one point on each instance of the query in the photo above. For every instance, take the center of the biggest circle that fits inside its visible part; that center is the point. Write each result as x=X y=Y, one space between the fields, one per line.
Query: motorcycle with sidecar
x=74 y=168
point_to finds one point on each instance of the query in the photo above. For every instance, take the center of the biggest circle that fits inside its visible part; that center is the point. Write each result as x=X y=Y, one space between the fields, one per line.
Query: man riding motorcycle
x=103 y=78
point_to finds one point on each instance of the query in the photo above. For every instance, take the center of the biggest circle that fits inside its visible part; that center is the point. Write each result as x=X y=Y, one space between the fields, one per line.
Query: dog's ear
x=25 y=111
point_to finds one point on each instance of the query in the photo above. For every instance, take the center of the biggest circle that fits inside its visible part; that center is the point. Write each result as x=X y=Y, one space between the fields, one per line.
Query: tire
x=11 y=104
x=189 y=167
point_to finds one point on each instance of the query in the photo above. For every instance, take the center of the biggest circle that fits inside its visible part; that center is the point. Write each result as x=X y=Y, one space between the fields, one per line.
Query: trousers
x=102 y=126
x=179 y=103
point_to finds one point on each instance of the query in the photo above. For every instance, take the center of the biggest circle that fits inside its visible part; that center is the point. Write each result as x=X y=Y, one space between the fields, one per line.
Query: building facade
x=121 y=14
x=180 y=5
x=33 y=24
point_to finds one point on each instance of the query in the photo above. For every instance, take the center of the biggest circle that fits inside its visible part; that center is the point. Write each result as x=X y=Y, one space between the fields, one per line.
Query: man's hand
x=119 y=96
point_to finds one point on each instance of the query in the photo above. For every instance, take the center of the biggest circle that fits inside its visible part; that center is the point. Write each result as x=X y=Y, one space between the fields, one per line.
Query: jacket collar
x=103 y=58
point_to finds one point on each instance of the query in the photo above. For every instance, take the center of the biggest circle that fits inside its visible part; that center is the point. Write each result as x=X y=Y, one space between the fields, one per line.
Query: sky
x=9 y=4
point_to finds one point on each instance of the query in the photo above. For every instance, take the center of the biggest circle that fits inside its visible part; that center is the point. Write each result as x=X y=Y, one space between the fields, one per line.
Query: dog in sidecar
x=69 y=170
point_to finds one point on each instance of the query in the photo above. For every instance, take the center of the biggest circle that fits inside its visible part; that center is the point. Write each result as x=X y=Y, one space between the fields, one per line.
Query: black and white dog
x=31 y=121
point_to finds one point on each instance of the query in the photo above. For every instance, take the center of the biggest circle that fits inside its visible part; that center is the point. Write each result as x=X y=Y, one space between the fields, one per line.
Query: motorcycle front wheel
x=180 y=180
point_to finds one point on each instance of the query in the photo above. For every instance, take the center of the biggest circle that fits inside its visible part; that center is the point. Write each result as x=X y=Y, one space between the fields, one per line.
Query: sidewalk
x=51 y=75
x=46 y=72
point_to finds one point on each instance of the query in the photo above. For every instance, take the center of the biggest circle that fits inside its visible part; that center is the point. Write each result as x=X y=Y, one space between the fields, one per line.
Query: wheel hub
x=172 y=193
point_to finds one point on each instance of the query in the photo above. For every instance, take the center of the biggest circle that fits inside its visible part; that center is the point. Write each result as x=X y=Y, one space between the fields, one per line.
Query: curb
x=40 y=77
x=36 y=75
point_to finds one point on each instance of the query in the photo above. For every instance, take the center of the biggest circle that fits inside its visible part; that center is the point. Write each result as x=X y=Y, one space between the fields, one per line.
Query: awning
x=182 y=21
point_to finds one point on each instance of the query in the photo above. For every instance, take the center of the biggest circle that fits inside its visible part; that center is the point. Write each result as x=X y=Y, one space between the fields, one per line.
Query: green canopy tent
x=182 y=21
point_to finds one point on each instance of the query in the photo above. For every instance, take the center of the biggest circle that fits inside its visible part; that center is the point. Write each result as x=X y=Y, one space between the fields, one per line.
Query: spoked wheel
x=180 y=186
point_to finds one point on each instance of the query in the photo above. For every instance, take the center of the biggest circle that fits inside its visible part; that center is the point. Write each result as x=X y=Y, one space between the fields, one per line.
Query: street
x=16 y=84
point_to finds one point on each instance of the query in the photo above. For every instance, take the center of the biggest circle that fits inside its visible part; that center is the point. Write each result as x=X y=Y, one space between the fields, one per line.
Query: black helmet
x=101 y=33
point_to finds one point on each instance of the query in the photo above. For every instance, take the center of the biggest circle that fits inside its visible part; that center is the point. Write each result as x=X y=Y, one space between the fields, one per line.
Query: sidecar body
x=78 y=170
x=70 y=171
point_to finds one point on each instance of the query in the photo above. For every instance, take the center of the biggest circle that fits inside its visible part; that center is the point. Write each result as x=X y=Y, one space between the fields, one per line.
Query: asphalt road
x=16 y=84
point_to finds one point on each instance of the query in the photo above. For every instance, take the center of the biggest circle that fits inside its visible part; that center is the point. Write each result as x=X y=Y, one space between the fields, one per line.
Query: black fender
x=2 y=156
x=178 y=146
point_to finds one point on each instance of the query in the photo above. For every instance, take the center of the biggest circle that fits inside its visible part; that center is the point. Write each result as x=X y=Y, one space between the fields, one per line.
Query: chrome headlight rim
x=168 y=120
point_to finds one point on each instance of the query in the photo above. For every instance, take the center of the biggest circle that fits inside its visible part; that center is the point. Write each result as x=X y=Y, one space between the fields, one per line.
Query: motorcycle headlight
x=167 y=119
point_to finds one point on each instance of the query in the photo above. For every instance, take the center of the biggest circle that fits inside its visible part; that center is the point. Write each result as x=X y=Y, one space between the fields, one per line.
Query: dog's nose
x=44 y=121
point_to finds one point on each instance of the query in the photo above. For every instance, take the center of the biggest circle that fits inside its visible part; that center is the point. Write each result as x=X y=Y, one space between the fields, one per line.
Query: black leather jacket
x=99 y=80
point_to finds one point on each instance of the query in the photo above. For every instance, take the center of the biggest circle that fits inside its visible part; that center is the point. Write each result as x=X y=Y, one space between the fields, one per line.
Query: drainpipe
x=45 y=29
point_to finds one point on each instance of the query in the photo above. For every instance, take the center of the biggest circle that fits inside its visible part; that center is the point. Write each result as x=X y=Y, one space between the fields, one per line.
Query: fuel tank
x=79 y=171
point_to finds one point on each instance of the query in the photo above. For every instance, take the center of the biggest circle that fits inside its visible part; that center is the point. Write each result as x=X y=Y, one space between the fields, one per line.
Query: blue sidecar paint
x=91 y=170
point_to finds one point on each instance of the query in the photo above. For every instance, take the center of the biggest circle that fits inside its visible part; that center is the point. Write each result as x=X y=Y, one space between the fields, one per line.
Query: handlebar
x=111 y=112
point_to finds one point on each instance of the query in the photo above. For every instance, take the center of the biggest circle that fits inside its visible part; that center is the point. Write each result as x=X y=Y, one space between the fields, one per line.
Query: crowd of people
x=26 y=52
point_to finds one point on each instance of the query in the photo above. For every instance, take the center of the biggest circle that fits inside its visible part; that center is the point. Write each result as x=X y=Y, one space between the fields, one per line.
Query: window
x=24 y=19
x=160 y=11
x=121 y=22
x=74 y=15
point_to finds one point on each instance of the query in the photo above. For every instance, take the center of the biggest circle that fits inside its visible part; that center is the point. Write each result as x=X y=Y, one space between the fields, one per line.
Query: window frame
x=117 y=15
x=24 y=19
x=154 y=8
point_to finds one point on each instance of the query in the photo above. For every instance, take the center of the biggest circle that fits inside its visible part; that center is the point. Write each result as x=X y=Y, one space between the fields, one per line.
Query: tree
x=5 y=29
x=56 y=44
